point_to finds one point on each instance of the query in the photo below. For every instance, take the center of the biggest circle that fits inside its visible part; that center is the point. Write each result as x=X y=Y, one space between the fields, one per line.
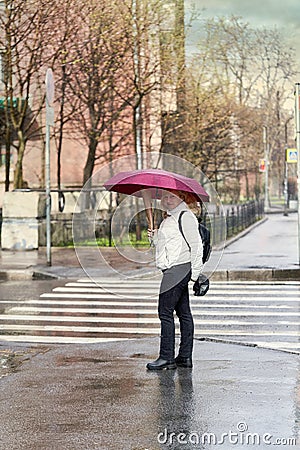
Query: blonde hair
x=190 y=199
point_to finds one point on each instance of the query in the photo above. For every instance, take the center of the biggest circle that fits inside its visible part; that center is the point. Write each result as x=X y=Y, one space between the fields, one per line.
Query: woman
x=180 y=262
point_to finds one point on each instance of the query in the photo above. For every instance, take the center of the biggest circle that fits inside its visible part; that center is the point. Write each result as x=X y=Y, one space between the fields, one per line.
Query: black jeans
x=174 y=296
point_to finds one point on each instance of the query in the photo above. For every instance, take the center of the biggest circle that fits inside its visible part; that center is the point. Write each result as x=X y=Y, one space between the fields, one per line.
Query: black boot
x=184 y=362
x=160 y=364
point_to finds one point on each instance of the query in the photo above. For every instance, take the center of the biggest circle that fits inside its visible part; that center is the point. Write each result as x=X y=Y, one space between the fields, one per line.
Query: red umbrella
x=136 y=180
x=151 y=182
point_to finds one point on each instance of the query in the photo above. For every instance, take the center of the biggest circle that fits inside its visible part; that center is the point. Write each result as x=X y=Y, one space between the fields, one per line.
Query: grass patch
x=104 y=242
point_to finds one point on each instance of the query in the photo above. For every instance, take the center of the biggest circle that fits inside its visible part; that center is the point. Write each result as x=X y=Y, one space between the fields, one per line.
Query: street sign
x=291 y=155
x=262 y=165
x=49 y=87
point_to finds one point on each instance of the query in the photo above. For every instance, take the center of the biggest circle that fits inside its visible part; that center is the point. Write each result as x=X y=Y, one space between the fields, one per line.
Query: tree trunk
x=61 y=125
x=88 y=171
x=90 y=162
x=18 y=173
x=7 y=157
x=247 y=185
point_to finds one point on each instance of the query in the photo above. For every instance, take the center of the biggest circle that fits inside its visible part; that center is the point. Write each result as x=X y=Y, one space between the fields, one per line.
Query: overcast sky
x=285 y=14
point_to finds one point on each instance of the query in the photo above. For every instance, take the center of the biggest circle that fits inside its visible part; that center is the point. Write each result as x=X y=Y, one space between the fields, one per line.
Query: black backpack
x=205 y=237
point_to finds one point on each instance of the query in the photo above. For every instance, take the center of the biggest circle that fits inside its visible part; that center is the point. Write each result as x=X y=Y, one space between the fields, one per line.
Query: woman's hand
x=152 y=236
x=150 y=233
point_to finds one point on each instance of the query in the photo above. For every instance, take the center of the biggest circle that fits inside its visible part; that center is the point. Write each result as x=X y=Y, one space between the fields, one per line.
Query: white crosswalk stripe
x=252 y=313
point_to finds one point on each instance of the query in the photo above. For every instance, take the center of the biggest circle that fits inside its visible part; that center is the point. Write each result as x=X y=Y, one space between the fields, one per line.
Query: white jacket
x=171 y=248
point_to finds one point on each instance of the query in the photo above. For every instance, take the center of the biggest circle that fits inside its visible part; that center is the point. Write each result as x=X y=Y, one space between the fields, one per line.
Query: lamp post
x=266 y=149
x=285 y=185
x=297 y=123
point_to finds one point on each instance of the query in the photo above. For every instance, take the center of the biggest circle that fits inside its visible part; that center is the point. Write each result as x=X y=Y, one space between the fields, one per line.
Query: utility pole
x=266 y=149
x=137 y=120
x=285 y=183
x=297 y=123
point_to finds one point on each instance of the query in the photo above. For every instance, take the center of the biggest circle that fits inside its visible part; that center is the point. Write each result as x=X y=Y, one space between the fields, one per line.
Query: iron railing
x=236 y=219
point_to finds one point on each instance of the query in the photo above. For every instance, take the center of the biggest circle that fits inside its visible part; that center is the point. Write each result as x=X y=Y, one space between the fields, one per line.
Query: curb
x=16 y=274
x=257 y=275
x=222 y=275
x=32 y=274
x=25 y=275
x=246 y=344
x=38 y=275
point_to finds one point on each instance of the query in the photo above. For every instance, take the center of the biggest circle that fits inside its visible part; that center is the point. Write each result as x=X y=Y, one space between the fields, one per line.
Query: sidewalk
x=266 y=251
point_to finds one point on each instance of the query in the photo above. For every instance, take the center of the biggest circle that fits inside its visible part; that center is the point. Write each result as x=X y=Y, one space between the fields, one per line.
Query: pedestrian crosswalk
x=106 y=309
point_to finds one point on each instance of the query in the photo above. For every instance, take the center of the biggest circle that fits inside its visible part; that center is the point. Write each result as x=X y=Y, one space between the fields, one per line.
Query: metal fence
x=236 y=219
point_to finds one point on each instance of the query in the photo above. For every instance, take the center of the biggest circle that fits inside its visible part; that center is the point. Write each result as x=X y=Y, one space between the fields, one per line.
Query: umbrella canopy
x=134 y=181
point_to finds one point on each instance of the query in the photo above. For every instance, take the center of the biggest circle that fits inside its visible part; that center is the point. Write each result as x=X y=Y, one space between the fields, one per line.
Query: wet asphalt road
x=26 y=289
x=102 y=397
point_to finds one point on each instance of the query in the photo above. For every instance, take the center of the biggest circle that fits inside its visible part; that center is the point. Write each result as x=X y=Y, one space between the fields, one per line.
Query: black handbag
x=201 y=286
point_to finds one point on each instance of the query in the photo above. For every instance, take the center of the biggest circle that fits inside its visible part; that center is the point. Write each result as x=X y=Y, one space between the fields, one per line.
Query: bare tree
x=93 y=65
x=208 y=129
x=23 y=25
x=249 y=72
x=63 y=33
x=230 y=55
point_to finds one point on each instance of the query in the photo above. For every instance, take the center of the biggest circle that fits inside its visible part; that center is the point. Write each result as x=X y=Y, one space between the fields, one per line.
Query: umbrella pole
x=148 y=207
x=149 y=212
x=138 y=221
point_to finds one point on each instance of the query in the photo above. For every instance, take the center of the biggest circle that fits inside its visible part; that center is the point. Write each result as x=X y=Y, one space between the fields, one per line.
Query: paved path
x=84 y=311
x=272 y=244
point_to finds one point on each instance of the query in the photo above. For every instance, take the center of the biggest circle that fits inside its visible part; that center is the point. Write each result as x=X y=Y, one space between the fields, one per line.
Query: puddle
x=68 y=360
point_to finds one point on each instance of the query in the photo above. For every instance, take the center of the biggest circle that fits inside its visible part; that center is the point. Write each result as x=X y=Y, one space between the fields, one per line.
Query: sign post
x=297 y=123
x=291 y=157
x=49 y=122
